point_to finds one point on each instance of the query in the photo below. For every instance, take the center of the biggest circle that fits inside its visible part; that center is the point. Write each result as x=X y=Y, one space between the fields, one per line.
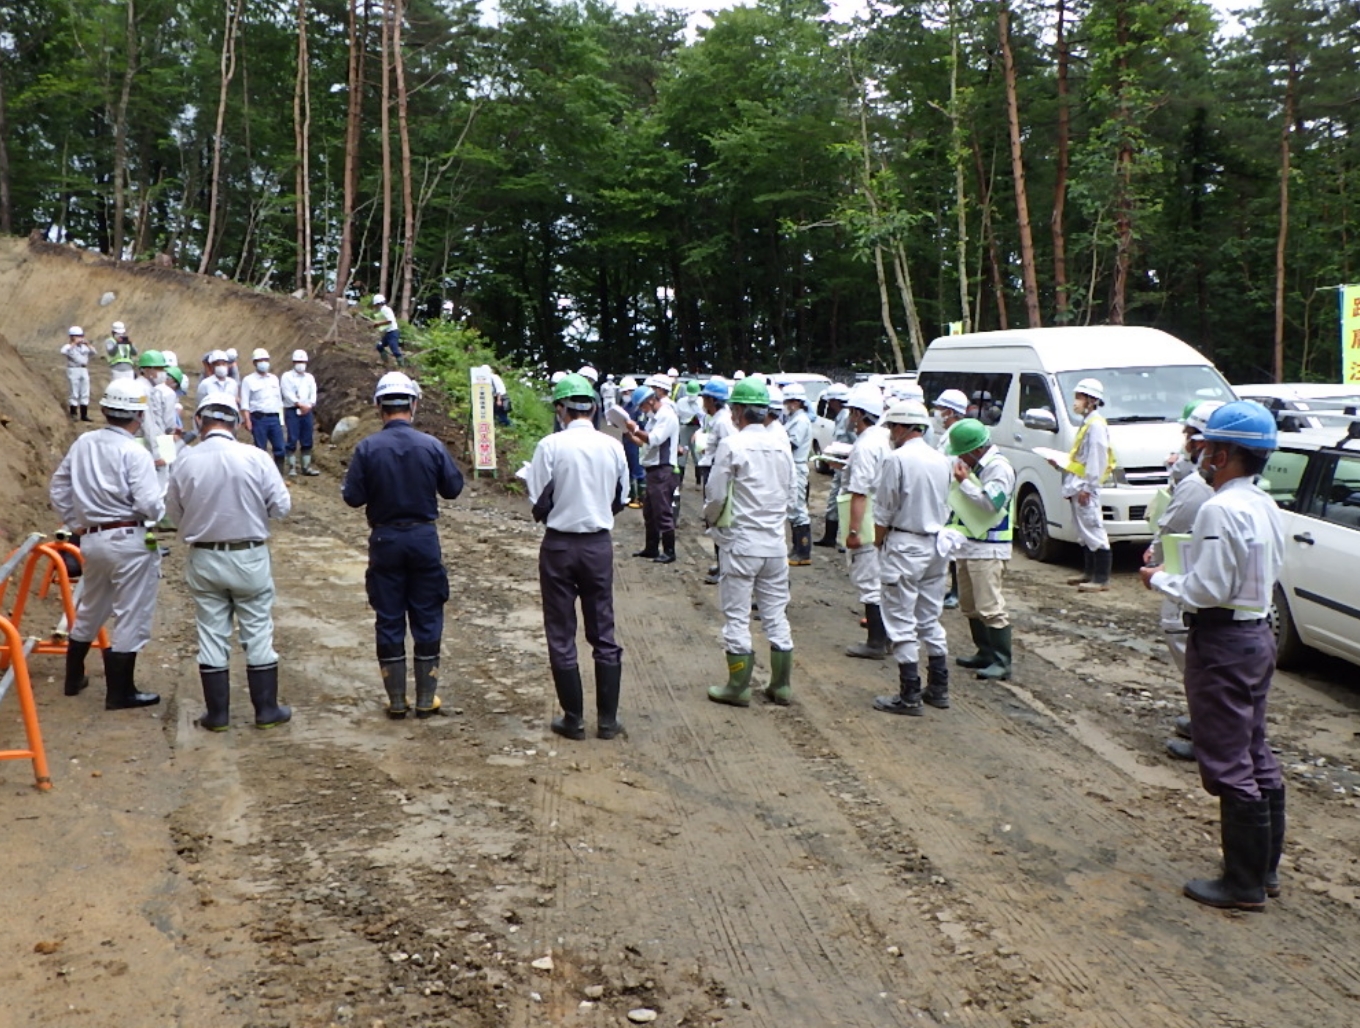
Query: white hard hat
x=658 y=381
x=379 y=299
x=628 y=384
x=171 y=361
x=396 y=389
x=776 y=398
x=795 y=391
x=1092 y=387
x=588 y=372
x=609 y=378
x=557 y=376
x=738 y=375
x=673 y=372
x=118 y=328
x=75 y=330
x=952 y=399
x=126 y=394
x=836 y=391
x=214 y=356
x=907 y=412
x=231 y=353
x=867 y=398
x=219 y=400
x=299 y=356
x=260 y=354
x=1199 y=417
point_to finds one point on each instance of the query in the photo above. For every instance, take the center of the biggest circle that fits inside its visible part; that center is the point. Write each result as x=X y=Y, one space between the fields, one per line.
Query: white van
x=1020 y=384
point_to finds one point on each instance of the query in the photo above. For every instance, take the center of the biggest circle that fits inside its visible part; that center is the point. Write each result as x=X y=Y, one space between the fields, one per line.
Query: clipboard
x=976 y=522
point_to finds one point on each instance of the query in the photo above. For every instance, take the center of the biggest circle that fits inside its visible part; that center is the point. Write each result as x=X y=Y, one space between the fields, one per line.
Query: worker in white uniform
x=120 y=353
x=949 y=408
x=774 y=413
x=746 y=502
x=262 y=406
x=297 y=387
x=160 y=411
x=835 y=396
x=609 y=392
x=222 y=495
x=911 y=505
x=716 y=426
x=984 y=514
x=799 y=428
x=658 y=443
x=105 y=490
x=78 y=353
x=1188 y=495
x=217 y=381
x=1088 y=466
x=872 y=447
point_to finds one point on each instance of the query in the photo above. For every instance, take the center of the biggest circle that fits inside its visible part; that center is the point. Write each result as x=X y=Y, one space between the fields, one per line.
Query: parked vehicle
x=1021 y=384
x=1305 y=397
x=1314 y=476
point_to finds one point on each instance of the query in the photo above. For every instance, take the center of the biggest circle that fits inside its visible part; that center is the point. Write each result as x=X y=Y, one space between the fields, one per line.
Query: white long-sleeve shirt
x=223 y=491
x=588 y=473
x=1094 y=454
x=211 y=385
x=159 y=419
x=298 y=387
x=719 y=427
x=77 y=354
x=872 y=447
x=106 y=476
x=663 y=438
x=799 y=430
x=913 y=488
x=1237 y=549
x=757 y=466
x=260 y=394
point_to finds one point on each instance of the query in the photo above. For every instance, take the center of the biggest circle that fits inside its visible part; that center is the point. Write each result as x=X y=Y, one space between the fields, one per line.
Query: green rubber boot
x=1000 y=668
x=781 y=670
x=737 y=691
x=983 y=656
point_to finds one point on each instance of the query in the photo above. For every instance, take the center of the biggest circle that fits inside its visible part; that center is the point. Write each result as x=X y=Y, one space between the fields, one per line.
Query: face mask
x=1206 y=470
x=221 y=370
x=301 y=369
x=262 y=367
x=937 y=423
x=159 y=378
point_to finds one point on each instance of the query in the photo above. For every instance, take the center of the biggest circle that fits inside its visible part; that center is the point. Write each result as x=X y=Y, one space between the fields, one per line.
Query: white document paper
x=165 y=448
x=1052 y=456
x=617 y=416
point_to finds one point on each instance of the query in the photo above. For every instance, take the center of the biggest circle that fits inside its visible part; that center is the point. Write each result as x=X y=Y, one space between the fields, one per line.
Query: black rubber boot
x=572 y=723
x=120 y=676
x=875 y=647
x=608 y=681
x=84 y=412
x=937 y=681
x=802 y=546
x=951 y=598
x=983 y=656
x=999 y=643
x=427 y=686
x=1101 y=563
x=71 y=411
x=1182 y=724
x=282 y=464
x=1245 y=834
x=1275 y=799
x=392 y=666
x=1087 y=567
x=829 y=531
x=216 y=697
x=1180 y=749
x=76 y=679
x=667 y=554
x=650 y=550
x=908 y=698
x=263 y=682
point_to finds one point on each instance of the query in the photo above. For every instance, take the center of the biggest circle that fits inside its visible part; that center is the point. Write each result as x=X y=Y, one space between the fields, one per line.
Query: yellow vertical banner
x=483 y=420
x=1350 y=333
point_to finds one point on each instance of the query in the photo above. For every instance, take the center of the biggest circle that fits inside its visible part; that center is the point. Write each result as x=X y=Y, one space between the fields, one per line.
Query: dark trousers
x=299 y=428
x=390 y=341
x=575 y=566
x=630 y=452
x=657 y=513
x=406 y=580
x=267 y=431
x=1228 y=668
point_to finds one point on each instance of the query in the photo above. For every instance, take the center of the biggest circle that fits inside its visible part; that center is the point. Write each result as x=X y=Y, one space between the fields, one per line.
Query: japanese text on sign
x=483 y=421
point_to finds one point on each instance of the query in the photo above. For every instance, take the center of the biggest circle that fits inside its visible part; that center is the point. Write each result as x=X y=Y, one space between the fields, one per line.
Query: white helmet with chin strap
x=1091 y=387
x=126 y=396
x=396 y=389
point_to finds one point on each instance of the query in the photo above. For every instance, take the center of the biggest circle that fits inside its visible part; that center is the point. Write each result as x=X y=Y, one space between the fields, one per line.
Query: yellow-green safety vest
x=1075 y=466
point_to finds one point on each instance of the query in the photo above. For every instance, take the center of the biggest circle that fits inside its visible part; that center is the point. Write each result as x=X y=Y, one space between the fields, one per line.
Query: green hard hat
x=573 y=387
x=152 y=359
x=967 y=435
x=750 y=392
x=1188 y=410
x=693 y=386
x=175 y=374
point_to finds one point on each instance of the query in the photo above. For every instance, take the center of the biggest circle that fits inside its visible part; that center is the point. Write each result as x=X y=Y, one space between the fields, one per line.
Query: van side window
x=1035 y=394
x=1282 y=477
x=986 y=391
x=1337 y=497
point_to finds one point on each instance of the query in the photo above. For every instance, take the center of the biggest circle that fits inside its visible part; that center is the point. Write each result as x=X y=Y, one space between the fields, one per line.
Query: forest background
x=777 y=189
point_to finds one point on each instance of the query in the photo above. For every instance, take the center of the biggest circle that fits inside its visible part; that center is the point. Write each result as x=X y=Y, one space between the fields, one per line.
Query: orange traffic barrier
x=55 y=643
x=17 y=652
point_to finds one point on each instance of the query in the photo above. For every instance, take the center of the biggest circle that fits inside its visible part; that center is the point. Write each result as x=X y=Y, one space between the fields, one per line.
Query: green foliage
x=449 y=352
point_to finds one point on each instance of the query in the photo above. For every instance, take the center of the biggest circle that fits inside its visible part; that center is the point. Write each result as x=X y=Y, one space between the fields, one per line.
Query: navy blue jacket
x=397 y=472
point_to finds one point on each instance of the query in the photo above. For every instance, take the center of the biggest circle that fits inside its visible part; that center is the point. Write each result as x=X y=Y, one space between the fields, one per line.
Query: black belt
x=241 y=544
x=264 y=414
x=402 y=524
x=910 y=531
x=110 y=526
x=1219 y=616
x=575 y=535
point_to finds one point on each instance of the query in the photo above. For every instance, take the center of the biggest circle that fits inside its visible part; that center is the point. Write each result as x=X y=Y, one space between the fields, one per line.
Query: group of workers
x=920 y=489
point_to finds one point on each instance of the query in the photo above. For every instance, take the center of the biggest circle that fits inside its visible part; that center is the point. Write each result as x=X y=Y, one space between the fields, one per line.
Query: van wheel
x=1034 y=537
x=1288 y=646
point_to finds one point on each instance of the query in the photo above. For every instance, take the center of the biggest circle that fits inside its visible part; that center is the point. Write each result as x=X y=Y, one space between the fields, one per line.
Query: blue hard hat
x=1243 y=422
x=641 y=393
x=716 y=388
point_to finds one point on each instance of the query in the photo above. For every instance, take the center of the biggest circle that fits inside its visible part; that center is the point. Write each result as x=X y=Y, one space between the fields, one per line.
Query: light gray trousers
x=121 y=579
x=227 y=584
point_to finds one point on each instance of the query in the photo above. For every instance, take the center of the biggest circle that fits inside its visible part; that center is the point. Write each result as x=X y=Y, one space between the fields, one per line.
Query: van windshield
x=1148 y=394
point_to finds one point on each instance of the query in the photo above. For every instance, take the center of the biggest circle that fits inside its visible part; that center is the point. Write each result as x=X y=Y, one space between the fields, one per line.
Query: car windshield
x=1156 y=394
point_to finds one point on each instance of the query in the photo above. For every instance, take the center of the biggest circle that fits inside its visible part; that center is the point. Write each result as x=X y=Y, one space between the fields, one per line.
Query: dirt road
x=1014 y=860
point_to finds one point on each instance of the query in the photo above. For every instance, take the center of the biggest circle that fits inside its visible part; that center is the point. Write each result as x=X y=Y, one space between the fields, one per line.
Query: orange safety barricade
x=18 y=672
x=55 y=643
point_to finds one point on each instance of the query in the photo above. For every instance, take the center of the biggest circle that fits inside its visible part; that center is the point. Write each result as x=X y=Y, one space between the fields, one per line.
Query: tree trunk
x=6 y=203
x=956 y=157
x=228 y=70
x=1027 y=270
x=993 y=251
x=1062 y=159
x=120 y=131
x=1123 y=175
x=1291 y=84
x=408 y=202
x=914 y=334
x=884 y=298
x=302 y=130
x=385 y=129
x=345 y=259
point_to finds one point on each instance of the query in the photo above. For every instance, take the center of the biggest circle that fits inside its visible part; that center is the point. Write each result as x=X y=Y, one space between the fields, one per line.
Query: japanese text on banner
x=1350 y=333
x=483 y=421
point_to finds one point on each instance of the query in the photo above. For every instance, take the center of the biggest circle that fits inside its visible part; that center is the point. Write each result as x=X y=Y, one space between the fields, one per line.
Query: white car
x=1314 y=476
x=1305 y=397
